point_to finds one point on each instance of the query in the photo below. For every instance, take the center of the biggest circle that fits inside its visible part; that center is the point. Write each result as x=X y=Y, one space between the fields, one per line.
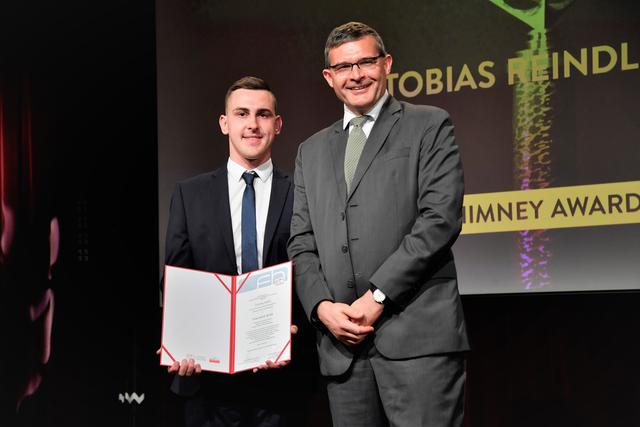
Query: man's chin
x=360 y=106
x=256 y=158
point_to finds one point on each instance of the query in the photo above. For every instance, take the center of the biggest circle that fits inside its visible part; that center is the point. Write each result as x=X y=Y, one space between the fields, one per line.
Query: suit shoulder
x=200 y=180
x=430 y=112
x=319 y=138
x=282 y=174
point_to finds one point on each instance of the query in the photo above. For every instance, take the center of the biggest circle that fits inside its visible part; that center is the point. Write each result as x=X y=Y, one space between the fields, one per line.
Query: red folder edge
x=233 y=279
x=282 y=351
x=164 y=298
x=232 y=333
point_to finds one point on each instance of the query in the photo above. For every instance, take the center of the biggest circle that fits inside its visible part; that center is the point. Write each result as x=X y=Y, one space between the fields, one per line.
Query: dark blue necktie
x=249 y=238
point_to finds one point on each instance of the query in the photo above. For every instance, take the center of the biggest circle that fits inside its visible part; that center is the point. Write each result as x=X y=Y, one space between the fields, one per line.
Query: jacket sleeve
x=439 y=220
x=177 y=245
x=310 y=282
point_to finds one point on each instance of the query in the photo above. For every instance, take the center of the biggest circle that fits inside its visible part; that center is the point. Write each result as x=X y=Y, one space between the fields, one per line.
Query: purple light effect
x=532 y=162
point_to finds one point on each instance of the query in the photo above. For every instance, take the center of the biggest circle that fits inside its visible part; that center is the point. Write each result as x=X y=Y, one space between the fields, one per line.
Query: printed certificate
x=225 y=323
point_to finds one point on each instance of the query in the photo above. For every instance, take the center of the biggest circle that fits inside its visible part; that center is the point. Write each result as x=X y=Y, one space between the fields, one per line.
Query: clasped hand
x=350 y=324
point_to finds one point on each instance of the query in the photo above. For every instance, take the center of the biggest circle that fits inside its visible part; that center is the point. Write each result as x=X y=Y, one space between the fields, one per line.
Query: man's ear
x=224 y=126
x=278 y=125
x=326 y=73
x=388 y=61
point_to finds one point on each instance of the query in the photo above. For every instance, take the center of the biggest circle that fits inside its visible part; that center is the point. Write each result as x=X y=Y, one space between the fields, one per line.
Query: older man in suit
x=234 y=220
x=377 y=207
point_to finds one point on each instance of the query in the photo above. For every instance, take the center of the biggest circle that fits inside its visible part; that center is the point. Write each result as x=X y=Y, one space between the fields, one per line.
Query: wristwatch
x=379 y=296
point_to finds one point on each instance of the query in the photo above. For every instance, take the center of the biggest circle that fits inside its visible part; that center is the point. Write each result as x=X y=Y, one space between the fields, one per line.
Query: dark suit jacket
x=199 y=236
x=395 y=231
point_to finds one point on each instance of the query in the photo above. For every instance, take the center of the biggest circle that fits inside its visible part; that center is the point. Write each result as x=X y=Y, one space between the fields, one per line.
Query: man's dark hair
x=251 y=83
x=349 y=32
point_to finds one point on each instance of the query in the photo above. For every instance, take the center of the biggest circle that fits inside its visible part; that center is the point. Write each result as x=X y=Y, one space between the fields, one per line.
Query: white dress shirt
x=373 y=114
x=262 y=187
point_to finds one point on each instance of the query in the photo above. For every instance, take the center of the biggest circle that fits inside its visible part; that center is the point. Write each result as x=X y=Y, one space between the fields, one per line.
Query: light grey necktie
x=355 y=145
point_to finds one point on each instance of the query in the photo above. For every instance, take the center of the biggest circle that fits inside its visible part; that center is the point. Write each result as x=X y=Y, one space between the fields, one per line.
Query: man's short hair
x=251 y=83
x=349 y=32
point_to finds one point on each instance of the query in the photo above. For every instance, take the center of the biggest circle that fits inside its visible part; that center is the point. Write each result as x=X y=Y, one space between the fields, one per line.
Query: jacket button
x=342 y=216
x=350 y=283
x=345 y=249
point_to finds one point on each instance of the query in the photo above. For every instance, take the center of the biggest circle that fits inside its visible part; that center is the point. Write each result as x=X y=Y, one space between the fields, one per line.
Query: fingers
x=294 y=329
x=350 y=320
x=354 y=328
x=347 y=330
x=185 y=368
x=351 y=333
x=194 y=368
x=353 y=341
x=184 y=365
x=352 y=312
x=271 y=365
x=351 y=338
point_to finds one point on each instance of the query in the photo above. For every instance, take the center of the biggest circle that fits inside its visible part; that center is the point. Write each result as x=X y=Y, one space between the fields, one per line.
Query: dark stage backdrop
x=542 y=94
x=78 y=179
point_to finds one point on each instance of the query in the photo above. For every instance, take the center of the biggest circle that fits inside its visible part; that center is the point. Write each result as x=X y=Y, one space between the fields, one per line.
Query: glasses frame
x=334 y=67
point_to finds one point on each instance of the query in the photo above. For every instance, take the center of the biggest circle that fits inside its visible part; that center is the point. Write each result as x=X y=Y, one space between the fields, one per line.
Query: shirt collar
x=373 y=113
x=263 y=171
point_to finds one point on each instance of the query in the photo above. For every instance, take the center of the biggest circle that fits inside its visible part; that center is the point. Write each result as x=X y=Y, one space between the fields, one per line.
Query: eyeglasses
x=363 y=64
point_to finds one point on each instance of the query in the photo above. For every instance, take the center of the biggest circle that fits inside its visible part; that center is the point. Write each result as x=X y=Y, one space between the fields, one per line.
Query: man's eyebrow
x=241 y=109
x=264 y=110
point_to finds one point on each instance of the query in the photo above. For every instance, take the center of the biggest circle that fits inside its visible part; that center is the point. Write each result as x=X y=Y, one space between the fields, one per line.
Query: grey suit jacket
x=395 y=231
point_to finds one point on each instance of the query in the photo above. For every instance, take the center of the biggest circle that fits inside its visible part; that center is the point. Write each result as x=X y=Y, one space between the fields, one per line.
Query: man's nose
x=253 y=122
x=356 y=72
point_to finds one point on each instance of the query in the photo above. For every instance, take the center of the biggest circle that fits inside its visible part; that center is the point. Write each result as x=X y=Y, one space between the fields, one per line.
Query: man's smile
x=360 y=88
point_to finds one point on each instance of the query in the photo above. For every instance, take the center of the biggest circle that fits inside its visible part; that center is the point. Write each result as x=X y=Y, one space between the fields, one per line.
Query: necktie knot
x=358 y=121
x=249 y=177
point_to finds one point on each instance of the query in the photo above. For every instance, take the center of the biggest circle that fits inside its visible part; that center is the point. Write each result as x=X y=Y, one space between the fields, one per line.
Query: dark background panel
x=553 y=360
x=86 y=73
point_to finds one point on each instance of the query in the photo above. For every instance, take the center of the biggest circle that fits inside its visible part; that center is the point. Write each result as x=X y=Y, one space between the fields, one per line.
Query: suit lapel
x=338 y=143
x=388 y=117
x=221 y=218
x=279 y=190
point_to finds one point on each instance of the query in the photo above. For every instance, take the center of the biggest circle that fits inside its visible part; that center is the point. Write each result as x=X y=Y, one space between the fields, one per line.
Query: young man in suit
x=377 y=207
x=234 y=220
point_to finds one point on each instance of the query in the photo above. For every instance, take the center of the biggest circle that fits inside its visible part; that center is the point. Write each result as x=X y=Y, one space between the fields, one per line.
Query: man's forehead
x=359 y=48
x=251 y=99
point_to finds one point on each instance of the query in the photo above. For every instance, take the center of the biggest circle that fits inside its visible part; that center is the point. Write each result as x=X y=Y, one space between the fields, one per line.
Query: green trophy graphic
x=532 y=123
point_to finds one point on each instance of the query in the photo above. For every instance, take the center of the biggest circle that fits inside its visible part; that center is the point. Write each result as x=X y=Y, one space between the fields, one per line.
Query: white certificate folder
x=227 y=324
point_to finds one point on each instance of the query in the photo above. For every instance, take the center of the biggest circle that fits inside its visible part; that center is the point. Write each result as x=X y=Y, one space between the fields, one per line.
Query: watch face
x=378 y=296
